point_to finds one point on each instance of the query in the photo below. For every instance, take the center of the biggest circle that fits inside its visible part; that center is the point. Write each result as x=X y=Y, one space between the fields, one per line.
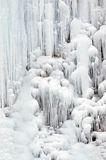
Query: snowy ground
x=24 y=136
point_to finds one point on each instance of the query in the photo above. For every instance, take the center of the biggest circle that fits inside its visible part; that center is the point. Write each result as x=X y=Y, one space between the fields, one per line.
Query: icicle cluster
x=77 y=30
x=53 y=92
x=63 y=43
x=13 y=50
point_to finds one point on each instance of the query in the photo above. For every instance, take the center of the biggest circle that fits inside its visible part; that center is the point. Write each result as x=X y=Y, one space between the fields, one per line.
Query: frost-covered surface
x=23 y=135
x=57 y=111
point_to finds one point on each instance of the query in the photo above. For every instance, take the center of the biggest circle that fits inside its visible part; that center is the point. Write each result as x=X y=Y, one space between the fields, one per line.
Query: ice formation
x=61 y=46
x=42 y=28
x=55 y=98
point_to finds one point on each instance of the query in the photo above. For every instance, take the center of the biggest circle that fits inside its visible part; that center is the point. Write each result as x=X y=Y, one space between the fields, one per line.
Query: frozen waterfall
x=63 y=40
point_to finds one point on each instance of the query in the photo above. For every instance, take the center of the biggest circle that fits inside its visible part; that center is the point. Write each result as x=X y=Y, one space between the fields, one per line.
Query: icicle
x=56 y=99
x=13 y=47
x=48 y=29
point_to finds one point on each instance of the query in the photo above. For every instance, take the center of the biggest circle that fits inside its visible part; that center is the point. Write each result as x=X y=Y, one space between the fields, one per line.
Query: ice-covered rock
x=57 y=74
x=47 y=68
x=81 y=80
x=89 y=93
x=99 y=137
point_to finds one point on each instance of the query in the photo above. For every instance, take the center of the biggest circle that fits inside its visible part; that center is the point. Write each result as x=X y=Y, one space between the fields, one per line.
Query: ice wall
x=13 y=58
